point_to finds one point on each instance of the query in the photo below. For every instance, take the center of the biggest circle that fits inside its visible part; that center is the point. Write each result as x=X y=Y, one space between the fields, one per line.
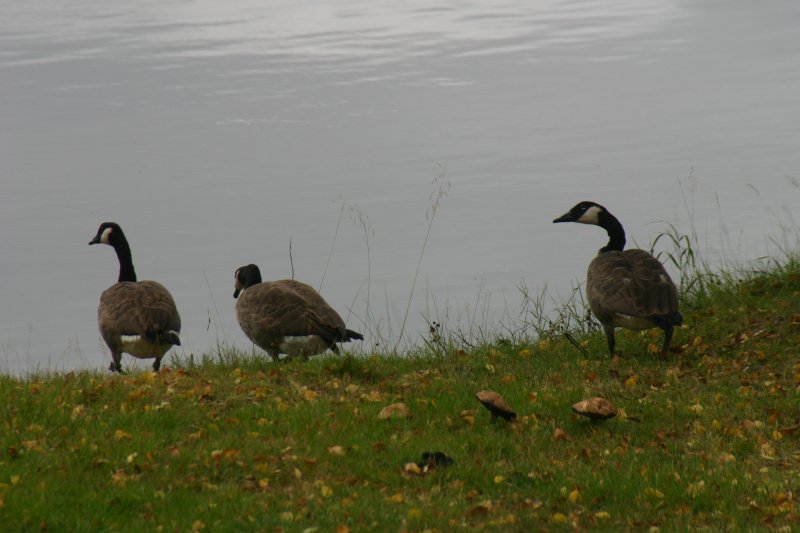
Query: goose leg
x=116 y=362
x=667 y=338
x=157 y=364
x=610 y=337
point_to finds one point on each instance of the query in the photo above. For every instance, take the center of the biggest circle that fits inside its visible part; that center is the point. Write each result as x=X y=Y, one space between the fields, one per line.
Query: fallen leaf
x=336 y=450
x=412 y=468
x=396 y=498
x=468 y=416
x=395 y=410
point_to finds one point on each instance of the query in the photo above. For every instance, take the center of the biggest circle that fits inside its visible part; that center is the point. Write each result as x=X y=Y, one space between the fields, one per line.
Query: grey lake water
x=327 y=138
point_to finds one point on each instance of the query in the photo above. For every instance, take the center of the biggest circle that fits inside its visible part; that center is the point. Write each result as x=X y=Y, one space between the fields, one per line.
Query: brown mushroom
x=496 y=405
x=595 y=408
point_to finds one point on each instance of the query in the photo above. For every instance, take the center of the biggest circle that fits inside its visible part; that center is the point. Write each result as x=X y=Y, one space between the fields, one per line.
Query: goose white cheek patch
x=590 y=216
x=105 y=235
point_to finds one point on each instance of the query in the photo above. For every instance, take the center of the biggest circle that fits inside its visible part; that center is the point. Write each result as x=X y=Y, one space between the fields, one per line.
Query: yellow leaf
x=395 y=410
x=119 y=477
x=396 y=498
x=631 y=382
x=198 y=525
x=574 y=496
x=15 y=479
x=286 y=516
x=412 y=468
x=777 y=435
x=309 y=395
x=414 y=513
x=544 y=344
x=559 y=518
x=336 y=450
x=499 y=479
x=726 y=458
x=654 y=493
x=525 y=352
x=602 y=515
x=148 y=377
x=263 y=483
x=131 y=457
x=468 y=416
x=696 y=408
x=78 y=411
x=120 y=435
x=695 y=489
x=326 y=491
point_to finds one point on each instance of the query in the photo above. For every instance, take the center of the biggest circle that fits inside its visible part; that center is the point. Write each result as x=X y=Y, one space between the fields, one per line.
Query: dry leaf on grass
x=395 y=410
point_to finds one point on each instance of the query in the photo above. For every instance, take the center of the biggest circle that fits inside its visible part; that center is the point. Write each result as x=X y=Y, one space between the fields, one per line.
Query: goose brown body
x=626 y=288
x=135 y=317
x=287 y=316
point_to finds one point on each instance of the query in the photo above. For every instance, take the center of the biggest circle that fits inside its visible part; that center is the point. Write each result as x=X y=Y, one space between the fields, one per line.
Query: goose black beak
x=566 y=217
x=96 y=240
x=236 y=293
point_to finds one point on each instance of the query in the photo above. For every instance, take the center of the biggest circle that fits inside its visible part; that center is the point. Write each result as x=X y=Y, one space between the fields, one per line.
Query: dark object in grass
x=595 y=408
x=496 y=405
x=432 y=460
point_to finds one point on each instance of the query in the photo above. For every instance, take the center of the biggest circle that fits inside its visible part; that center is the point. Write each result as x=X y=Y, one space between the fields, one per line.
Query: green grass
x=708 y=438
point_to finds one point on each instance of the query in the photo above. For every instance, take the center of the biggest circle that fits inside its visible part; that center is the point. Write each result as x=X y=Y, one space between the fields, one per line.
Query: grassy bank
x=707 y=438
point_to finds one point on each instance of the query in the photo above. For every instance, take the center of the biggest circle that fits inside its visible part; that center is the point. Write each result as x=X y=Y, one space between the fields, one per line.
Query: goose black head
x=584 y=213
x=108 y=233
x=245 y=277
x=597 y=215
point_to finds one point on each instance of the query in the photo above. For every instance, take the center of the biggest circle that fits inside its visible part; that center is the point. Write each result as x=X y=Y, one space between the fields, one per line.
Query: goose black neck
x=126 y=271
x=616 y=234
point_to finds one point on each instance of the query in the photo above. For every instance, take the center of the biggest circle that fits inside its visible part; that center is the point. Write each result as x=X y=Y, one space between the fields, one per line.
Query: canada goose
x=137 y=317
x=286 y=316
x=629 y=289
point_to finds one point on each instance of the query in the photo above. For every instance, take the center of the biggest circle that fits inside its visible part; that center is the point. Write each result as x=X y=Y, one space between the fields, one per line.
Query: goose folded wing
x=286 y=312
x=145 y=308
x=633 y=283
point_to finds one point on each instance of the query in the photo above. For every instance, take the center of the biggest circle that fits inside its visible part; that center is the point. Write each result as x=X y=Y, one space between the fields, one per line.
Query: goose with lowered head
x=286 y=316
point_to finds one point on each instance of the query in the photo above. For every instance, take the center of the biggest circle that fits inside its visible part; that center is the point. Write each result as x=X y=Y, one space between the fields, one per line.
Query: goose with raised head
x=286 y=316
x=135 y=317
x=626 y=288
